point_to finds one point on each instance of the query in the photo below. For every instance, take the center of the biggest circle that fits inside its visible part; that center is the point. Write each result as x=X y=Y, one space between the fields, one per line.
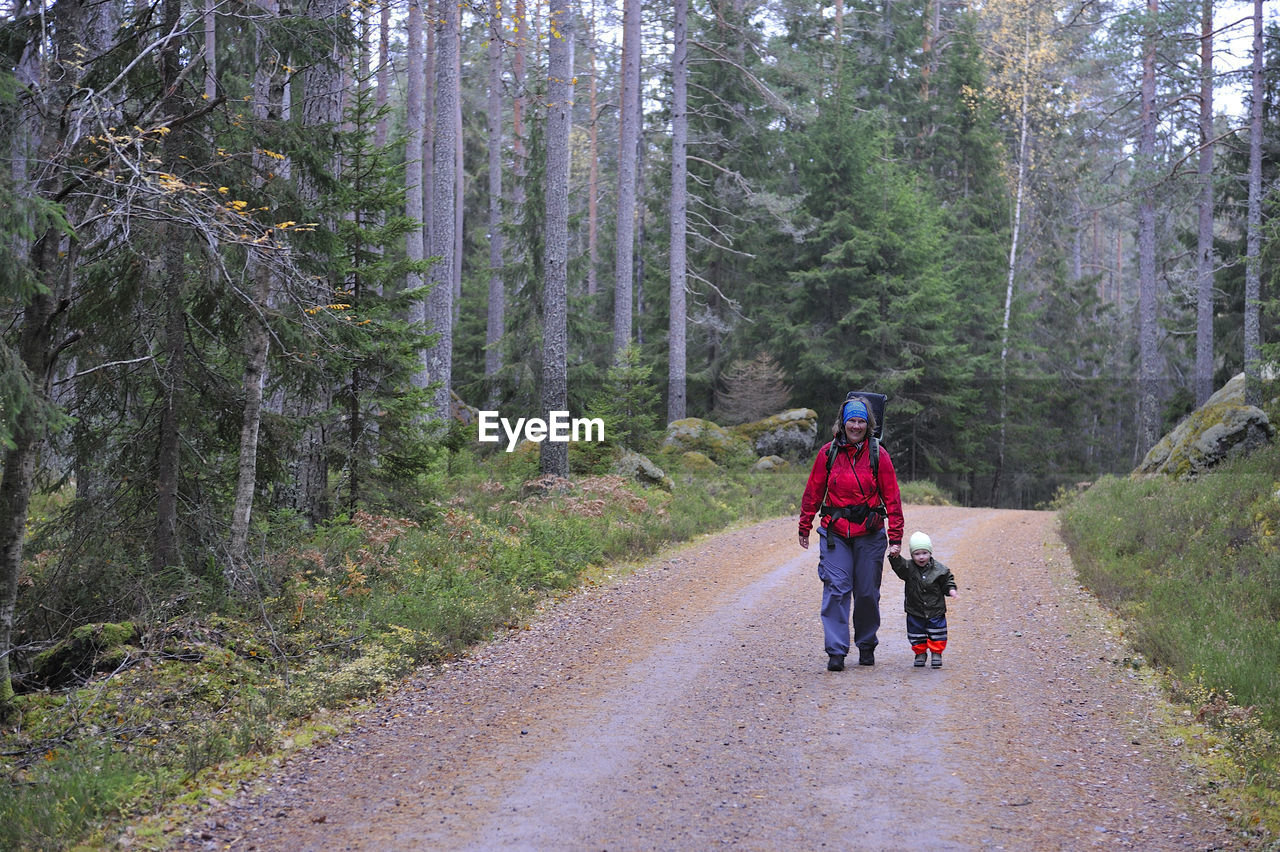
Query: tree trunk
x=1149 y=418
x=554 y=456
x=321 y=112
x=210 y=51
x=593 y=164
x=1204 y=241
x=1253 y=238
x=172 y=276
x=429 y=133
x=384 y=72
x=439 y=358
x=628 y=136
x=678 y=320
x=415 y=249
x=496 y=327
x=268 y=104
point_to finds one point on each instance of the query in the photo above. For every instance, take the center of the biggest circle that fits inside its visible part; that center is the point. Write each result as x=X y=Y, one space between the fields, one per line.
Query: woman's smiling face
x=855 y=429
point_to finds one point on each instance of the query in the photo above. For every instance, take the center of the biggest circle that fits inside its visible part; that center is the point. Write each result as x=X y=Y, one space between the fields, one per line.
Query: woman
x=854 y=500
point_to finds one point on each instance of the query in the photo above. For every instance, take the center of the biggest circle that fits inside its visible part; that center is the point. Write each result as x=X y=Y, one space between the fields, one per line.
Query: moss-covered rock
x=770 y=464
x=791 y=434
x=90 y=648
x=639 y=467
x=693 y=434
x=1220 y=429
x=696 y=462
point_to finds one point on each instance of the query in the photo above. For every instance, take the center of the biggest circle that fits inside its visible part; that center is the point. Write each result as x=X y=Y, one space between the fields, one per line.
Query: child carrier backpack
x=876 y=401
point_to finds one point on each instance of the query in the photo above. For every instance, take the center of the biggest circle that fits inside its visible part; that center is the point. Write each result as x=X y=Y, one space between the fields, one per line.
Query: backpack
x=876 y=402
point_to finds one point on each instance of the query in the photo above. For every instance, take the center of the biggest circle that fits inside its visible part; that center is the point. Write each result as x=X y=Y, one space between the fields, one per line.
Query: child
x=929 y=584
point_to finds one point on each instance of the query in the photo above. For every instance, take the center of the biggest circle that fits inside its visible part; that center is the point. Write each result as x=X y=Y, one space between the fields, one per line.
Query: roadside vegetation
x=1193 y=569
x=175 y=704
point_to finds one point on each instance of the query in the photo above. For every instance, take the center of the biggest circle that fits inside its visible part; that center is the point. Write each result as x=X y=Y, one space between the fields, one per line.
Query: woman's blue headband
x=853 y=408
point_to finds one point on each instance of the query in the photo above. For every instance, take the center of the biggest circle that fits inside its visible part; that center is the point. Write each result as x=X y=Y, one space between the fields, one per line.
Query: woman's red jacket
x=852 y=484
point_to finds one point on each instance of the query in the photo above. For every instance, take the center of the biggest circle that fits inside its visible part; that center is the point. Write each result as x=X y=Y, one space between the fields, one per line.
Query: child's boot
x=937 y=660
x=920 y=658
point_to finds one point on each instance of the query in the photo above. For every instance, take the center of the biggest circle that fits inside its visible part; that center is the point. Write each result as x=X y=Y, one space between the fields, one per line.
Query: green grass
x=1195 y=567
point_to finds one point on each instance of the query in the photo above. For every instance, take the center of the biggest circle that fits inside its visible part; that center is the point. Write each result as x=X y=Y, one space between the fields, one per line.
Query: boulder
x=722 y=446
x=791 y=434
x=695 y=462
x=770 y=464
x=90 y=648
x=636 y=466
x=1222 y=428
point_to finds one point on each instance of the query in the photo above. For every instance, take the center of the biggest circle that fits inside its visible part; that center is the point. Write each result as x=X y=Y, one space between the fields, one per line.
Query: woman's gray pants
x=850 y=570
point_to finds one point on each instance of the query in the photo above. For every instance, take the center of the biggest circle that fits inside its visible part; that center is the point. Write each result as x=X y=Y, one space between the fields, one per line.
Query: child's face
x=921 y=557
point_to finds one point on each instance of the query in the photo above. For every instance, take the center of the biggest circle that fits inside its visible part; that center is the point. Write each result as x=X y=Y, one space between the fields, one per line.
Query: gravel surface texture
x=688 y=706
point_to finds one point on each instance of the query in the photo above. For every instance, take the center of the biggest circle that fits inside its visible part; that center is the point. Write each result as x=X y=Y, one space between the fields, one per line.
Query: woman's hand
x=895 y=549
x=804 y=541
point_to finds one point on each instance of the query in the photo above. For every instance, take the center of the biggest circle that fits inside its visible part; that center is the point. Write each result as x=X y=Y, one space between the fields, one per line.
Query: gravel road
x=688 y=707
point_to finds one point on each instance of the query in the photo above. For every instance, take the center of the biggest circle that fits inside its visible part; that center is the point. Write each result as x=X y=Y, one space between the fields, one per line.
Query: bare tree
x=555 y=383
x=628 y=138
x=678 y=320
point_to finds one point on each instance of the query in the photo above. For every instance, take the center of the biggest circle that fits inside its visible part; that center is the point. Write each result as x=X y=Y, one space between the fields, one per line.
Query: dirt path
x=688 y=707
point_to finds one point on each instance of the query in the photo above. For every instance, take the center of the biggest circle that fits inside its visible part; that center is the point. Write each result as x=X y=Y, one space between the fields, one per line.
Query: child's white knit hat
x=920 y=541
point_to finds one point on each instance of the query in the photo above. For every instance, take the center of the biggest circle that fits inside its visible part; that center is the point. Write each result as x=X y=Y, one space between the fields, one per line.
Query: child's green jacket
x=927 y=587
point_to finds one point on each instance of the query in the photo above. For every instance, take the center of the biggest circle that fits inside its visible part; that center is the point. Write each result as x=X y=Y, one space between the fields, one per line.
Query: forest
x=258 y=256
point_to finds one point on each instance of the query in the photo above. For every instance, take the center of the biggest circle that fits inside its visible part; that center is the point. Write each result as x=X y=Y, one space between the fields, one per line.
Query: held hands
x=895 y=549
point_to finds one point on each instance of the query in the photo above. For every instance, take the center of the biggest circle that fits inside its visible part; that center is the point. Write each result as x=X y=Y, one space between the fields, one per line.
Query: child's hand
x=954 y=593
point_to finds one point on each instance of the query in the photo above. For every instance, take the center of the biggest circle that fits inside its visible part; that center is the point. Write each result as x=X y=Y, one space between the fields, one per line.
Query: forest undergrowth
x=346 y=611
x=1193 y=570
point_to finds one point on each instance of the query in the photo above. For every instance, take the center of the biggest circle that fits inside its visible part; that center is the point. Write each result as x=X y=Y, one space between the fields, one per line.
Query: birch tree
x=1024 y=57
x=554 y=456
x=267 y=106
